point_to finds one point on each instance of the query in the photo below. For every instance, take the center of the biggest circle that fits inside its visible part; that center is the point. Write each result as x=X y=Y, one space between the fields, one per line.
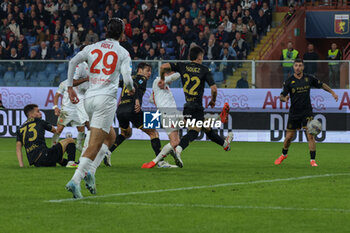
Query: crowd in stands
x=154 y=30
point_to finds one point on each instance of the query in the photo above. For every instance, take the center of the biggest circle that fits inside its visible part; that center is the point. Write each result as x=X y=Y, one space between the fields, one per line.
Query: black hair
x=299 y=60
x=143 y=65
x=195 y=51
x=28 y=108
x=115 y=28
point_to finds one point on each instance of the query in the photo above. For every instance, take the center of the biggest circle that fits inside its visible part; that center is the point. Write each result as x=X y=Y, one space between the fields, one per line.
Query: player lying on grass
x=297 y=88
x=193 y=77
x=106 y=59
x=164 y=100
x=31 y=135
x=68 y=114
x=129 y=110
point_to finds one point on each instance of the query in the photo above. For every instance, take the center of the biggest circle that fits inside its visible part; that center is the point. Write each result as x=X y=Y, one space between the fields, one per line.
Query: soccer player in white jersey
x=106 y=60
x=163 y=98
x=67 y=114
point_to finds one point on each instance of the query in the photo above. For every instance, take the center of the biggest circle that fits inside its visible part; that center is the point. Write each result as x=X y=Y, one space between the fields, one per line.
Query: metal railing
x=257 y=73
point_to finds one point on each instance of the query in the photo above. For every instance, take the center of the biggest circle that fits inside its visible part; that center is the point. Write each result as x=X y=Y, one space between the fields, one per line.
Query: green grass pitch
x=190 y=199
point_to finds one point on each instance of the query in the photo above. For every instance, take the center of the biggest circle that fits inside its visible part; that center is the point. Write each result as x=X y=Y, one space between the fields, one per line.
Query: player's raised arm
x=126 y=72
x=80 y=81
x=172 y=78
x=19 y=153
x=328 y=89
x=76 y=60
x=55 y=103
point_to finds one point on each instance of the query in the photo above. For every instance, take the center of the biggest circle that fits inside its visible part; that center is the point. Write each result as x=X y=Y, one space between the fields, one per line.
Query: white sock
x=80 y=138
x=178 y=149
x=163 y=153
x=86 y=143
x=99 y=158
x=55 y=138
x=83 y=168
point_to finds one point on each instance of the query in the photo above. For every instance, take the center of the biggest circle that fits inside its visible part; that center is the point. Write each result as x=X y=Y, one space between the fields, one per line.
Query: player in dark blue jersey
x=31 y=135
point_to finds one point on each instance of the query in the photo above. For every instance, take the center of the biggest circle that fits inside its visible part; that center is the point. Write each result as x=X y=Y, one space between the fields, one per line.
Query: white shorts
x=170 y=115
x=69 y=116
x=101 y=110
x=83 y=116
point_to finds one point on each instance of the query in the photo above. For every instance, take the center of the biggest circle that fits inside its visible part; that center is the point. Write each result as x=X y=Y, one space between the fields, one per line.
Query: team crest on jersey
x=151 y=120
x=341 y=23
x=140 y=81
x=292 y=82
x=293 y=90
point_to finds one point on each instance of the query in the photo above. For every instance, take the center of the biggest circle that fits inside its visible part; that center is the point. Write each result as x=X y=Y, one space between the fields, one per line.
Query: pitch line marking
x=200 y=187
x=213 y=206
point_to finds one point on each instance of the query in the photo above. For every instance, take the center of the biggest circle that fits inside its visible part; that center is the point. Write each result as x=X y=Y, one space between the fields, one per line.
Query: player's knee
x=153 y=134
x=175 y=142
x=127 y=133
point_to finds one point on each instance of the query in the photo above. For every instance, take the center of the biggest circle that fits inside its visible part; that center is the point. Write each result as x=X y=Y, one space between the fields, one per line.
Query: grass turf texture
x=234 y=208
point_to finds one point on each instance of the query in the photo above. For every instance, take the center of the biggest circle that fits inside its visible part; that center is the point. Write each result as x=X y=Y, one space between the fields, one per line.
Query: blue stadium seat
x=52 y=76
x=63 y=76
x=9 y=75
x=33 y=83
x=218 y=77
x=11 y=83
x=42 y=76
x=62 y=67
x=2 y=83
x=169 y=51
x=22 y=83
x=50 y=68
x=19 y=76
x=45 y=83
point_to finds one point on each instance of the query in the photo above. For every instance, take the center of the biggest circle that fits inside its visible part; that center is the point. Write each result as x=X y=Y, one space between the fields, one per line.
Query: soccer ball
x=314 y=127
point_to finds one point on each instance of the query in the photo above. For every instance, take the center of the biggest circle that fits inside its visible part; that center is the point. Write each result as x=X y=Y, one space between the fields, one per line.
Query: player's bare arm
x=53 y=130
x=328 y=89
x=284 y=98
x=19 y=153
x=55 y=103
x=214 y=93
x=80 y=81
x=137 y=106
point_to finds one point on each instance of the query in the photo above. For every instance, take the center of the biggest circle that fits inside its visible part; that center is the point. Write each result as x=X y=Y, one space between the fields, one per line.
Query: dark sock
x=313 y=155
x=189 y=137
x=120 y=138
x=64 y=162
x=155 y=142
x=284 y=152
x=71 y=151
x=215 y=137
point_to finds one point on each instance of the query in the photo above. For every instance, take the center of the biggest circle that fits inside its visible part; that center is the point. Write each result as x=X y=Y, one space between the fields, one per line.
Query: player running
x=129 y=110
x=297 y=88
x=67 y=115
x=106 y=60
x=163 y=98
x=193 y=77
x=31 y=135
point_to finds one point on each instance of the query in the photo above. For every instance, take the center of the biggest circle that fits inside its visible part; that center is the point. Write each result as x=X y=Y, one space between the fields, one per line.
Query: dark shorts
x=50 y=156
x=124 y=119
x=193 y=111
x=299 y=122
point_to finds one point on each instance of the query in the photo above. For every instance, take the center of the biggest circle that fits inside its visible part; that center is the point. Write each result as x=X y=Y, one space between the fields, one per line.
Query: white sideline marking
x=200 y=187
x=214 y=206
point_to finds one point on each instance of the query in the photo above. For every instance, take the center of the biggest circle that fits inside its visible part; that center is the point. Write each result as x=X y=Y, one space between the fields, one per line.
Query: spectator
x=195 y=26
x=33 y=54
x=227 y=24
x=246 y=18
x=213 y=49
x=91 y=37
x=22 y=53
x=268 y=14
x=194 y=10
x=2 y=52
x=239 y=26
x=163 y=55
x=246 y=4
x=66 y=47
x=44 y=52
x=248 y=38
x=221 y=35
x=261 y=24
x=161 y=28
x=13 y=54
x=23 y=41
x=243 y=83
x=252 y=29
x=40 y=36
x=310 y=67
x=290 y=13
x=137 y=53
x=226 y=67
x=254 y=11
x=212 y=21
x=145 y=39
x=207 y=32
x=182 y=53
x=240 y=46
x=234 y=17
x=14 y=27
x=136 y=35
x=188 y=35
x=202 y=41
x=72 y=7
x=334 y=67
x=151 y=55
x=49 y=6
x=57 y=52
x=73 y=37
x=288 y=56
x=42 y=14
x=146 y=48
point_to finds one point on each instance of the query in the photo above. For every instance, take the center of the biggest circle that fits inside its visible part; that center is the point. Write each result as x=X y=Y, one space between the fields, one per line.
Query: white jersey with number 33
x=106 y=60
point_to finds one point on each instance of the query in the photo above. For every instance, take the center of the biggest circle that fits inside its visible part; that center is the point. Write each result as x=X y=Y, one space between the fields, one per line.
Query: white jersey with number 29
x=106 y=60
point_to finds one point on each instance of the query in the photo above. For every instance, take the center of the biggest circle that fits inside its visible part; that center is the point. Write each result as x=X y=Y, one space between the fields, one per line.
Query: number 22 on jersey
x=109 y=68
x=192 y=90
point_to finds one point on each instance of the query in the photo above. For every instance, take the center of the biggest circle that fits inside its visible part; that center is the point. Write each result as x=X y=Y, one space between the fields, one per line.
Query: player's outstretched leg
x=287 y=141
x=184 y=142
x=213 y=136
x=80 y=137
x=224 y=113
x=163 y=153
x=125 y=134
